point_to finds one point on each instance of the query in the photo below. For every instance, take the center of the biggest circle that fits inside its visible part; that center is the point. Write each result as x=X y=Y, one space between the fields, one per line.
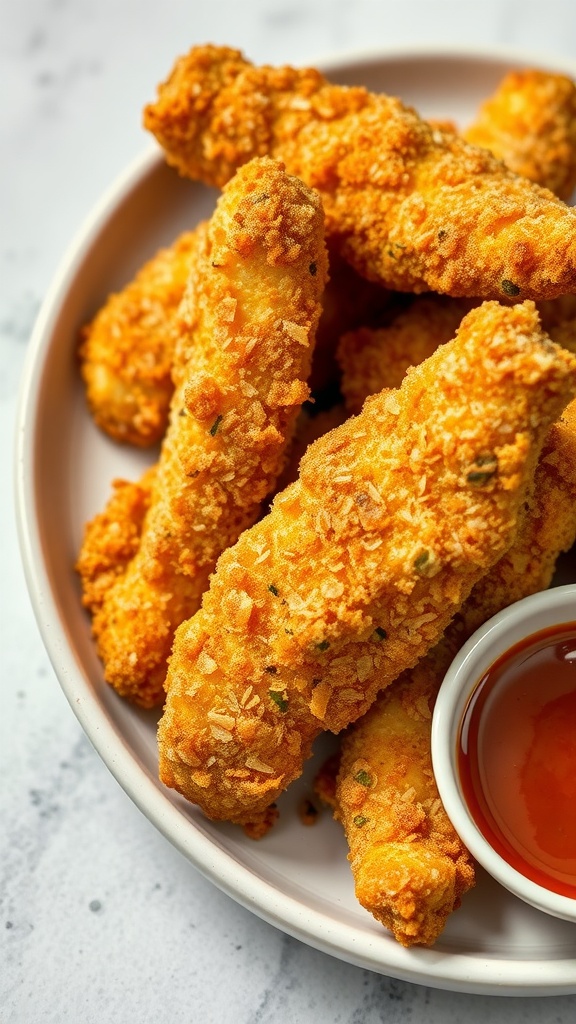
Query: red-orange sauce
x=517 y=757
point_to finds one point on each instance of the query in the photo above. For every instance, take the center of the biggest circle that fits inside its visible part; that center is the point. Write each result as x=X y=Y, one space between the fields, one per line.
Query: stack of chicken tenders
x=324 y=529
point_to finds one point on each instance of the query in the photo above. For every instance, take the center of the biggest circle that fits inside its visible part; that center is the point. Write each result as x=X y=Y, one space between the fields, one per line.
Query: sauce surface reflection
x=517 y=757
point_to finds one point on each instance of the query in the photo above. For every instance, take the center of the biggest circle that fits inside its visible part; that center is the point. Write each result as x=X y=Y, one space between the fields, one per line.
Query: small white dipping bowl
x=553 y=607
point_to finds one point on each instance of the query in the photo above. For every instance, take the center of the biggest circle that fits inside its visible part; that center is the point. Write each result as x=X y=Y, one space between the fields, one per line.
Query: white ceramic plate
x=296 y=878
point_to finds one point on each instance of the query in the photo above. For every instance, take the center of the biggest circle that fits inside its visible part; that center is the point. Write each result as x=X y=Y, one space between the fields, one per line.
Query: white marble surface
x=101 y=919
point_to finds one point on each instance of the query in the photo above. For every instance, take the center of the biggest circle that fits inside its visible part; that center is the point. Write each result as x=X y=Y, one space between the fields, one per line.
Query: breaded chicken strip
x=112 y=538
x=374 y=358
x=360 y=564
x=408 y=204
x=244 y=348
x=530 y=124
x=410 y=867
x=127 y=350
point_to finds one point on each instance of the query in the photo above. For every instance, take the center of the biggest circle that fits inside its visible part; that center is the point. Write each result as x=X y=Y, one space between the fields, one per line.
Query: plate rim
x=450 y=971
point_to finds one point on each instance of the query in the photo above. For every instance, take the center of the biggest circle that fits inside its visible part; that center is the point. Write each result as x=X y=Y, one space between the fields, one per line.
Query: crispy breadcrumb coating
x=409 y=866
x=308 y=429
x=127 y=350
x=243 y=354
x=360 y=564
x=371 y=359
x=530 y=124
x=408 y=204
x=112 y=538
x=374 y=358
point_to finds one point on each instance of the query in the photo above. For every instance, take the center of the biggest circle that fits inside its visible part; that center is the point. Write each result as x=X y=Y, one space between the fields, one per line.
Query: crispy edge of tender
x=371 y=359
x=530 y=124
x=112 y=537
x=127 y=349
x=410 y=867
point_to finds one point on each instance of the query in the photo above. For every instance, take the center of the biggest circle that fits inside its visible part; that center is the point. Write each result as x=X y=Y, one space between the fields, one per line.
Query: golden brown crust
x=410 y=867
x=371 y=359
x=243 y=354
x=112 y=538
x=127 y=350
x=410 y=205
x=374 y=358
x=353 y=575
x=308 y=429
x=530 y=124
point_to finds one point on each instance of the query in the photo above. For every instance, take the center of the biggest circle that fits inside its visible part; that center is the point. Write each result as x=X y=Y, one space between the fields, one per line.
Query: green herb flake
x=479 y=479
x=363 y=778
x=509 y=288
x=215 y=425
x=279 y=699
x=271 y=670
x=273 y=590
x=312 y=268
x=360 y=820
x=487 y=467
x=422 y=561
x=323 y=645
x=379 y=634
x=442 y=234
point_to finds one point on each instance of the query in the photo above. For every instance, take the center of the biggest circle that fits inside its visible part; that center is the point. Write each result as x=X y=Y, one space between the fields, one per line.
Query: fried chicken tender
x=374 y=358
x=530 y=124
x=127 y=350
x=243 y=355
x=360 y=564
x=410 y=867
x=408 y=204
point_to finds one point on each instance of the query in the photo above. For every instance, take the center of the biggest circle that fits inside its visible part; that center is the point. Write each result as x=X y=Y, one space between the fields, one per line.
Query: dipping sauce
x=517 y=757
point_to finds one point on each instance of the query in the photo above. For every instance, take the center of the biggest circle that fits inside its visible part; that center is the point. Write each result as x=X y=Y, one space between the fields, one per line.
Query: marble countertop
x=102 y=920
